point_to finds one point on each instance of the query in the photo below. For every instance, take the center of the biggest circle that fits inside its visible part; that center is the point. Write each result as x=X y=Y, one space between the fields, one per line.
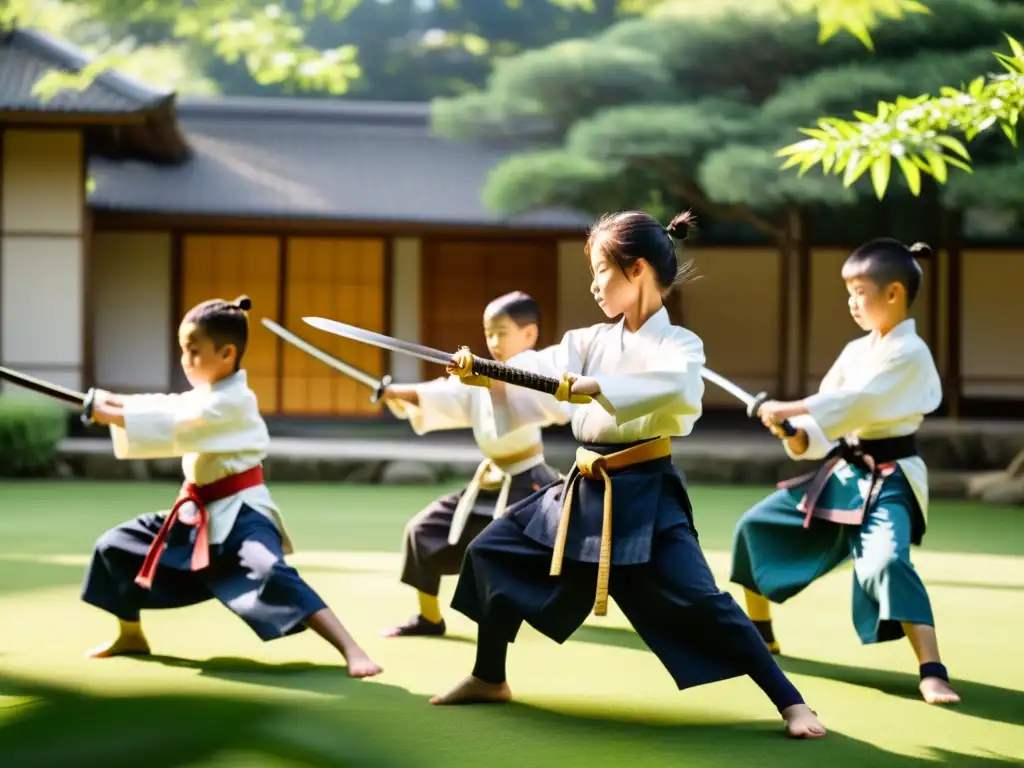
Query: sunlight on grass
x=601 y=699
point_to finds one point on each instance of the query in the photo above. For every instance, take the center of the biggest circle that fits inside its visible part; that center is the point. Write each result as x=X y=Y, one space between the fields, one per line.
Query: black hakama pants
x=427 y=553
x=659 y=578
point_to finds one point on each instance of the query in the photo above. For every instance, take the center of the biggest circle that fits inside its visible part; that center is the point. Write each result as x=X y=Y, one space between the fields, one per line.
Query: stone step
x=422 y=460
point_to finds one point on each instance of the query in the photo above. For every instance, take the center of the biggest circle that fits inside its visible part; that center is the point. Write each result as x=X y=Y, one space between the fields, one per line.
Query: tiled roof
x=26 y=55
x=316 y=159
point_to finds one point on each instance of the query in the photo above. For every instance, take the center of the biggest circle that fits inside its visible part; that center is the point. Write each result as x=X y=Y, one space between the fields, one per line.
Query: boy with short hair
x=437 y=537
x=869 y=500
x=224 y=536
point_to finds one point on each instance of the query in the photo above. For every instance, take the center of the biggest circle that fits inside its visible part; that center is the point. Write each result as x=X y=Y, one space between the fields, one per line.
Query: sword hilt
x=87 y=407
x=379 y=391
x=788 y=429
x=492 y=369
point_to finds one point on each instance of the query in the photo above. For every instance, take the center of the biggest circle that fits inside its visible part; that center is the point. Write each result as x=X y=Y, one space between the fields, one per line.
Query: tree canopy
x=402 y=49
x=922 y=133
x=316 y=46
x=679 y=109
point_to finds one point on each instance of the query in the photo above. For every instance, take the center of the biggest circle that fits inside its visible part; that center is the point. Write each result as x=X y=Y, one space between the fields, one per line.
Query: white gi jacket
x=217 y=431
x=650 y=381
x=880 y=386
x=501 y=434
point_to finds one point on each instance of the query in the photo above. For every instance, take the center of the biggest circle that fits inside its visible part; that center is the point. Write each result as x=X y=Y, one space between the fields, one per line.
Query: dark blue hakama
x=659 y=577
x=273 y=600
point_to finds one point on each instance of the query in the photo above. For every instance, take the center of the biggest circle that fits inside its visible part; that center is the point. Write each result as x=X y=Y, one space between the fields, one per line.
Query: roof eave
x=150 y=131
x=71 y=58
x=290 y=221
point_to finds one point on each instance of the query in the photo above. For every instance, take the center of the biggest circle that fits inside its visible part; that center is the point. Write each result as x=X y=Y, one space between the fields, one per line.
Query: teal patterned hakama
x=776 y=556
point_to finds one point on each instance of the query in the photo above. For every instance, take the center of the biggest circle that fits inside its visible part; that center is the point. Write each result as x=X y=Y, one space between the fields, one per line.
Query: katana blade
x=753 y=402
x=83 y=400
x=42 y=387
x=744 y=397
x=297 y=341
x=380 y=340
x=489 y=369
x=377 y=385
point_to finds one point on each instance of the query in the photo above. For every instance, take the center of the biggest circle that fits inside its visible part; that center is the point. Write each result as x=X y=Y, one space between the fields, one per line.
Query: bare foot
x=802 y=723
x=471 y=690
x=122 y=645
x=935 y=690
x=360 y=665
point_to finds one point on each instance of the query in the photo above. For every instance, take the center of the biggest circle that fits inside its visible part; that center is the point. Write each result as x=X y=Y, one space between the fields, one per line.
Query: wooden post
x=953 y=240
x=795 y=307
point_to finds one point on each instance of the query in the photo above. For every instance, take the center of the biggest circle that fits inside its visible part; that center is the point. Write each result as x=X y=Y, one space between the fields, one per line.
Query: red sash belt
x=200 y=495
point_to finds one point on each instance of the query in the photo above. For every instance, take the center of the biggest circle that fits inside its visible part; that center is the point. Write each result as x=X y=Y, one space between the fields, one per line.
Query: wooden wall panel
x=342 y=279
x=223 y=267
x=460 y=277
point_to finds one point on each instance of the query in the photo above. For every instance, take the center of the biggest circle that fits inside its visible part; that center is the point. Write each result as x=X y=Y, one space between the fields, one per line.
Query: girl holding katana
x=622 y=520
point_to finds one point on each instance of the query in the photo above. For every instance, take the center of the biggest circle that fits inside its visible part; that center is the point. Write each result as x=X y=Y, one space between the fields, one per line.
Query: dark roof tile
x=316 y=159
x=26 y=55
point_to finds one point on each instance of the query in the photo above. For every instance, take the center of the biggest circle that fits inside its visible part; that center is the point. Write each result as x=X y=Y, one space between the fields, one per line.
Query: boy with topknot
x=224 y=537
x=869 y=500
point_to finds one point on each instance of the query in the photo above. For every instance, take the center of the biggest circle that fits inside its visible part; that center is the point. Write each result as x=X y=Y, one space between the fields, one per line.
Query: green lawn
x=213 y=695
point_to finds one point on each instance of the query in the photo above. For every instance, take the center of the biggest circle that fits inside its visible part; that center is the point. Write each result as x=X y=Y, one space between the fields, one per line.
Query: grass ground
x=214 y=696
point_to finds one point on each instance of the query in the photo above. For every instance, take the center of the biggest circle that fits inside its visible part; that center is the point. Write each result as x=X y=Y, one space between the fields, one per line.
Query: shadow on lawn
x=375 y=724
x=989 y=702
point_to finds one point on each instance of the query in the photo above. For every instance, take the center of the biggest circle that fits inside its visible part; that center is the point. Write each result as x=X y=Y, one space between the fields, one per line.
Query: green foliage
x=749 y=175
x=858 y=17
x=267 y=37
x=578 y=77
x=550 y=88
x=478 y=116
x=687 y=109
x=298 y=45
x=731 y=54
x=546 y=178
x=849 y=87
x=30 y=430
x=922 y=134
x=988 y=186
x=675 y=136
x=925 y=134
x=162 y=65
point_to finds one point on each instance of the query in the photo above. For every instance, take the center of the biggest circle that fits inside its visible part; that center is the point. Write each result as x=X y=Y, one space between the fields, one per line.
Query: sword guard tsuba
x=759 y=399
x=787 y=428
x=462 y=363
x=378 y=393
x=87 y=406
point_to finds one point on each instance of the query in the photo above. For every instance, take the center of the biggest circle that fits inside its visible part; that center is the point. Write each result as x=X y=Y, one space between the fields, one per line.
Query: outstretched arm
x=565 y=357
x=167 y=426
x=440 y=404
